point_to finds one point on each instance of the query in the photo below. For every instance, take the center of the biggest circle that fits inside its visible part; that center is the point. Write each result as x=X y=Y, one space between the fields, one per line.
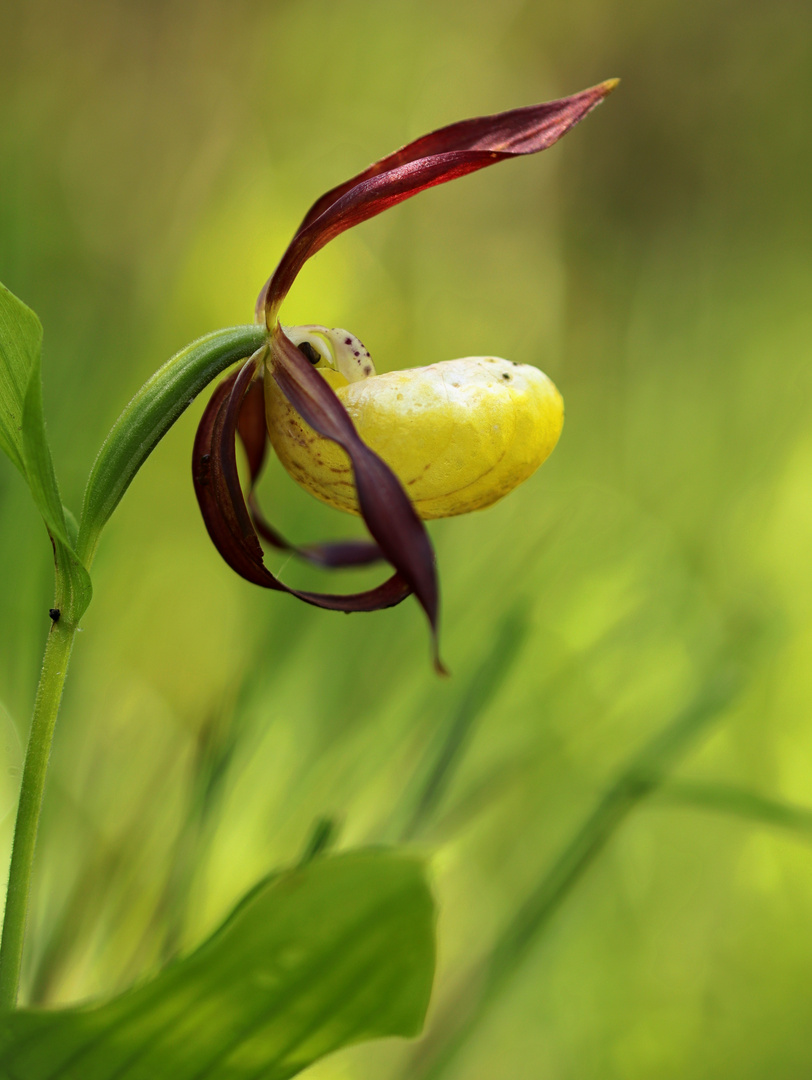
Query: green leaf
x=148 y=417
x=22 y=436
x=314 y=959
x=72 y=524
x=20 y=346
x=74 y=589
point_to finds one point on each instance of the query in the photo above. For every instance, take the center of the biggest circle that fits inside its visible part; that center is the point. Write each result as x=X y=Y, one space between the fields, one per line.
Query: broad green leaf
x=148 y=417
x=314 y=959
x=20 y=346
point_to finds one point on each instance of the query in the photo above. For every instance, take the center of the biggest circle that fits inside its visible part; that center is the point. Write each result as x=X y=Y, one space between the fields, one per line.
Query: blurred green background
x=154 y=160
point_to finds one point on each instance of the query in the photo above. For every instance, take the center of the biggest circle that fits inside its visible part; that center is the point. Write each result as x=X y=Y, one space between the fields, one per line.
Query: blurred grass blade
x=311 y=960
x=645 y=771
x=322 y=837
x=729 y=799
x=148 y=417
x=445 y=756
x=20 y=347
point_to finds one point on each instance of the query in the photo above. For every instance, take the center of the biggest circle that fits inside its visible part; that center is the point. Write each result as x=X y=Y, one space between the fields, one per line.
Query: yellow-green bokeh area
x=154 y=160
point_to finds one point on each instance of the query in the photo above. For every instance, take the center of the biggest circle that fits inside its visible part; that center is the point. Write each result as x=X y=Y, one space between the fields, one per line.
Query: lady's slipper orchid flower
x=395 y=448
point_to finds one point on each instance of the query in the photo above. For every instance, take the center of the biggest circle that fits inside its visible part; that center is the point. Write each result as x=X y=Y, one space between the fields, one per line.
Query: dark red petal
x=435 y=158
x=333 y=554
x=385 y=507
x=216 y=483
x=216 y=505
x=251 y=430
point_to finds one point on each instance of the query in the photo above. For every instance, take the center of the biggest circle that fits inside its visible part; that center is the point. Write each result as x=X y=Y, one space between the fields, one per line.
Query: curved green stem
x=148 y=417
x=46 y=706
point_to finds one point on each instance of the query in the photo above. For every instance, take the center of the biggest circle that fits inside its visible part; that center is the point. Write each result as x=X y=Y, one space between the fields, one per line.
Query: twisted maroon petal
x=222 y=504
x=252 y=434
x=433 y=159
x=384 y=505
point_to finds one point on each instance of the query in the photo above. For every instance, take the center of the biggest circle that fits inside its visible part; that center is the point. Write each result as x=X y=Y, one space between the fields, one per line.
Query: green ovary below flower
x=459 y=435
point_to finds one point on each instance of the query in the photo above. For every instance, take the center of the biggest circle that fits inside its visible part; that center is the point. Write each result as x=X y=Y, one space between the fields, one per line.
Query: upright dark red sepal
x=436 y=158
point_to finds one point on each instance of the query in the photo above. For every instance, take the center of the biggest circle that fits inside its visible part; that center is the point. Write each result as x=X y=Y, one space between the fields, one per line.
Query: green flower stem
x=148 y=417
x=46 y=707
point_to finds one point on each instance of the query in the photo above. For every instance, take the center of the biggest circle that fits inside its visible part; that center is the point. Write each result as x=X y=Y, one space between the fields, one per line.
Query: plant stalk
x=136 y=433
x=46 y=707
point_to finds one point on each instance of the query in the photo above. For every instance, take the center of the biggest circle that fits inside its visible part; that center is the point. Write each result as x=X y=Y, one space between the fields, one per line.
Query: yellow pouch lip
x=460 y=434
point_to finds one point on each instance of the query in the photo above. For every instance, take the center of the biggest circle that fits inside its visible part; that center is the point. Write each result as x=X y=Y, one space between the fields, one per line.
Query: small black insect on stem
x=54 y=612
